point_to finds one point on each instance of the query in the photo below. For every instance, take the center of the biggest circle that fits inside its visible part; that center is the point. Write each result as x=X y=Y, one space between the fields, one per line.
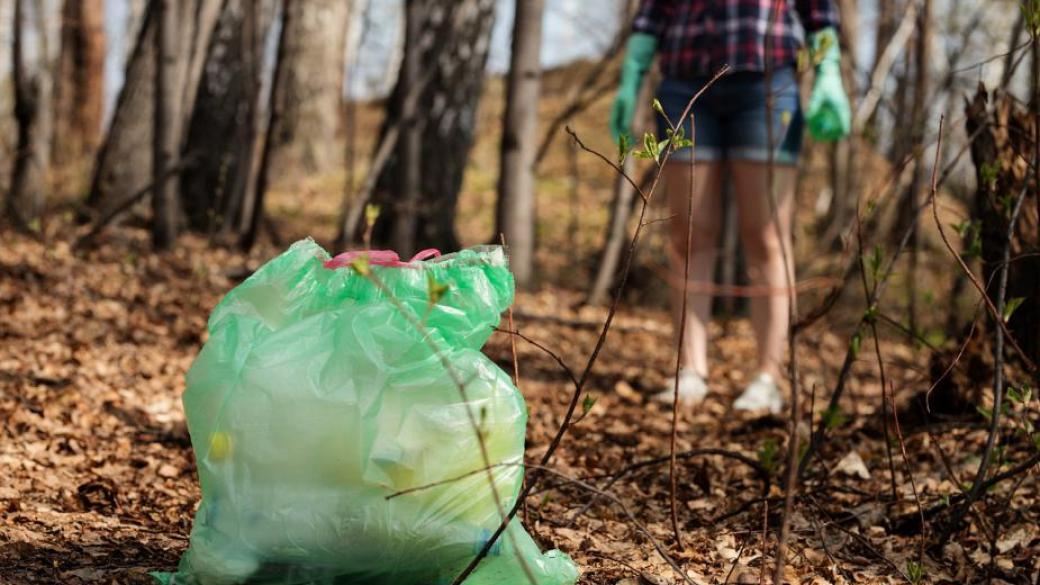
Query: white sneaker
x=762 y=394
x=692 y=389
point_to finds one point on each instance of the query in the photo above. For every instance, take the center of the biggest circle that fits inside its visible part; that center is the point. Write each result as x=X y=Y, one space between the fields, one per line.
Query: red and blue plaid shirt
x=698 y=37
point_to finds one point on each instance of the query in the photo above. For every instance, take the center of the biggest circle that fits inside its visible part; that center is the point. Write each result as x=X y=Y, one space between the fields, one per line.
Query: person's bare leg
x=704 y=195
x=764 y=249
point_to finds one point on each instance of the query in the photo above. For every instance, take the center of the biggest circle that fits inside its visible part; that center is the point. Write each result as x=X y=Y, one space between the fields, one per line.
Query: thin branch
x=102 y=222
x=910 y=474
x=998 y=376
x=997 y=314
x=586 y=373
x=617 y=168
x=617 y=475
x=681 y=343
x=460 y=384
x=563 y=365
x=880 y=76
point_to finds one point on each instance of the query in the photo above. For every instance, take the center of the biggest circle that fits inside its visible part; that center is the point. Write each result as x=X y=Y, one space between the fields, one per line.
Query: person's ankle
x=702 y=372
x=771 y=371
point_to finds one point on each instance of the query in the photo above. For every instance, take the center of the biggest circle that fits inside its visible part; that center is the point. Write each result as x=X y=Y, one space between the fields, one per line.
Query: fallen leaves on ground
x=99 y=482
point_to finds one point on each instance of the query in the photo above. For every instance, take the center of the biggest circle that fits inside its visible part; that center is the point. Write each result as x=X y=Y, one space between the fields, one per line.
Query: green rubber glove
x=829 y=115
x=638 y=57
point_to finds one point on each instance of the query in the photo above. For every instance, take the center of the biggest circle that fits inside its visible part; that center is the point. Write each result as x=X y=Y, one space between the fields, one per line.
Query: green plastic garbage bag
x=316 y=396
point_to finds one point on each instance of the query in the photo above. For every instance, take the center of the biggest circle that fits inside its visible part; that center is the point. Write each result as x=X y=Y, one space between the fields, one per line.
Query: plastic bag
x=316 y=396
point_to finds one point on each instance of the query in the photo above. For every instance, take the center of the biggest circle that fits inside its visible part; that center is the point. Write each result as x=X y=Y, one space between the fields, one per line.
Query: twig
x=1022 y=467
x=460 y=384
x=643 y=577
x=563 y=365
x=890 y=181
x=736 y=561
x=579 y=323
x=617 y=168
x=916 y=336
x=617 y=475
x=672 y=479
x=910 y=475
x=449 y=480
x=880 y=286
x=880 y=359
x=791 y=481
x=582 y=96
x=764 y=540
x=954 y=362
x=861 y=540
x=884 y=64
x=628 y=513
x=998 y=376
x=87 y=239
x=586 y=373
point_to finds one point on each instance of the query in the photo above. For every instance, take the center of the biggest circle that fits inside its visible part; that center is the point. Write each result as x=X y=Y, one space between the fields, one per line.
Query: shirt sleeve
x=817 y=14
x=652 y=17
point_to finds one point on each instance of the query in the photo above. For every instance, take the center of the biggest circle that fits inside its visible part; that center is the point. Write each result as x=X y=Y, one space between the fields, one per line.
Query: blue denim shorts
x=730 y=117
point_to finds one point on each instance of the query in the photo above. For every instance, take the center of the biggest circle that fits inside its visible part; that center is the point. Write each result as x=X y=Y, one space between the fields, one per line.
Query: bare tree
x=165 y=204
x=310 y=87
x=224 y=126
x=253 y=204
x=454 y=42
x=124 y=163
x=31 y=103
x=516 y=194
x=79 y=79
x=403 y=236
x=918 y=123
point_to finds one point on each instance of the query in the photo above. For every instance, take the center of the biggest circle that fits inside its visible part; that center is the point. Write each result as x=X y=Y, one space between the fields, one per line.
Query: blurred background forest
x=153 y=153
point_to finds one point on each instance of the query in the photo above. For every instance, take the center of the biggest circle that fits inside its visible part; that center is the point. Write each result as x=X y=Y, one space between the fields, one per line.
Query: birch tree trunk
x=516 y=189
x=310 y=88
x=31 y=101
x=454 y=43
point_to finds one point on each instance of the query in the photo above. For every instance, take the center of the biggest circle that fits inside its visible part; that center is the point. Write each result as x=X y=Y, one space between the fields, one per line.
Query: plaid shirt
x=698 y=37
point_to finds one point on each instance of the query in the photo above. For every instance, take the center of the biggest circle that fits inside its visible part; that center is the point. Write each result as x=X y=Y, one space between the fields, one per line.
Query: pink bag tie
x=380 y=258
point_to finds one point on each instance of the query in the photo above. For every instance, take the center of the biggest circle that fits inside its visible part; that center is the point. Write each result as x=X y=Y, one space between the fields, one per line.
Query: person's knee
x=702 y=245
x=762 y=245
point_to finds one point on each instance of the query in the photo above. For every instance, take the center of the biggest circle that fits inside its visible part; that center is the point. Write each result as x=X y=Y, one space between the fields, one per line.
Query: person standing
x=760 y=41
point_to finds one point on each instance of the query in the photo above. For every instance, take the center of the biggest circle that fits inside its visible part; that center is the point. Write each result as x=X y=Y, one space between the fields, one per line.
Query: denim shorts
x=730 y=117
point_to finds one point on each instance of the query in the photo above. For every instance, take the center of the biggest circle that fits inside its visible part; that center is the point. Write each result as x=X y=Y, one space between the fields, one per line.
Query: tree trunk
x=310 y=88
x=1000 y=153
x=79 y=86
x=31 y=97
x=253 y=208
x=843 y=159
x=223 y=129
x=885 y=28
x=620 y=212
x=124 y=162
x=919 y=114
x=454 y=41
x=516 y=190
x=165 y=203
x=403 y=235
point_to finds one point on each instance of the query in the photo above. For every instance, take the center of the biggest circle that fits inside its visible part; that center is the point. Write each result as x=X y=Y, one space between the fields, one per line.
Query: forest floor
x=98 y=481
x=100 y=485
